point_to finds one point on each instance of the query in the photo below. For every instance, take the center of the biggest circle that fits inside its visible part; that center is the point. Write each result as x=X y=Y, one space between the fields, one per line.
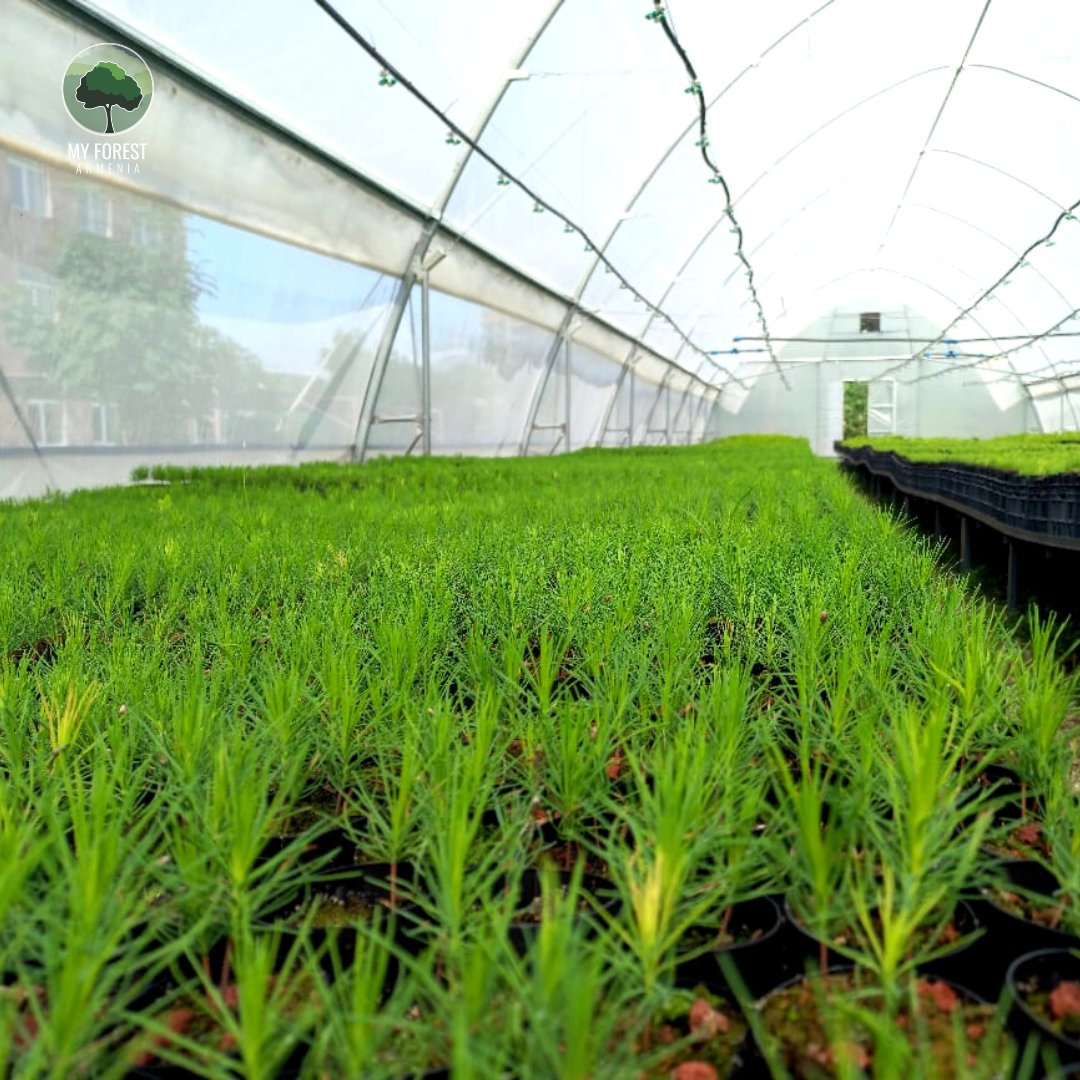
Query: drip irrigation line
x=659 y=15
x=914 y=340
x=458 y=135
x=1027 y=343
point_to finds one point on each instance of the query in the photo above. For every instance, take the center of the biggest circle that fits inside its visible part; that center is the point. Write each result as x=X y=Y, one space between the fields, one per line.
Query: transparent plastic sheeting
x=903 y=155
x=901 y=161
x=238 y=300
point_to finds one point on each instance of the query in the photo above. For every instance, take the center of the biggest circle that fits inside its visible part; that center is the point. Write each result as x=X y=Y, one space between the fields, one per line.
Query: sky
x=281 y=302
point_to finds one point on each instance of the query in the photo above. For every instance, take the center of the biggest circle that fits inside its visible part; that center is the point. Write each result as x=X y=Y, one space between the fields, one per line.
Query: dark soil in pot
x=1020 y=840
x=793 y=1015
x=749 y=933
x=564 y=852
x=1016 y=812
x=373 y=891
x=332 y=850
x=1045 y=990
x=1031 y=894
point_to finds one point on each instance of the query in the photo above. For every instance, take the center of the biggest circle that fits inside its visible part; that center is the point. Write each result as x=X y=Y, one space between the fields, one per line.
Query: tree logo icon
x=107 y=89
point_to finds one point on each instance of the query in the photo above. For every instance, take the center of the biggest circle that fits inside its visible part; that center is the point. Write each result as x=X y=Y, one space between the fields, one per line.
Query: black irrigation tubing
x=1068 y=214
x=538 y=202
x=659 y=15
x=1027 y=342
x=878 y=336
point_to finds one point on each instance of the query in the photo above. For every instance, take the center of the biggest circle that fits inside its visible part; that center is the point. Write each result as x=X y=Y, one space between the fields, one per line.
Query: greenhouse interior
x=539 y=540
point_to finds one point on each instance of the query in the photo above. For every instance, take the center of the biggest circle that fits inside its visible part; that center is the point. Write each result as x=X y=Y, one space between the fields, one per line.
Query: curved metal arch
x=824 y=193
x=846 y=112
x=843 y=114
x=871 y=168
x=1025 y=78
x=997 y=240
x=934 y=124
x=779 y=161
x=590 y=272
x=1003 y=172
x=410 y=271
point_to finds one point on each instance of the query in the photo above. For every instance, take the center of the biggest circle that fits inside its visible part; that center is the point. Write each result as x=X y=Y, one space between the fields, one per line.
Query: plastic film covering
x=913 y=165
x=240 y=296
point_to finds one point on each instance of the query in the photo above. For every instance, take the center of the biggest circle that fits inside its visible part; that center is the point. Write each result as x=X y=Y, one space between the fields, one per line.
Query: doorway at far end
x=856 y=409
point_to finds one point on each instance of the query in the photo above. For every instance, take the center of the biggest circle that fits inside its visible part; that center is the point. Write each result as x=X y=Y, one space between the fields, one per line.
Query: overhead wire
x=390 y=76
x=1026 y=344
x=659 y=16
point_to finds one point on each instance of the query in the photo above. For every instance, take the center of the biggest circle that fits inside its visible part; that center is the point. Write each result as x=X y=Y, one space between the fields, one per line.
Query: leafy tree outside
x=123 y=328
x=856 y=405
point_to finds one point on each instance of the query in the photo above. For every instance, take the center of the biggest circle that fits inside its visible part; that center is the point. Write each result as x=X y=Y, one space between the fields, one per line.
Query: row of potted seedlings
x=745 y=707
x=956 y=965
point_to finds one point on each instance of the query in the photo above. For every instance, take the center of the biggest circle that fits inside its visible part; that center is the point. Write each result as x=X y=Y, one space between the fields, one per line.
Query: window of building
x=870 y=322
x=103 y=419
x=48 y=422
x=28 y=187
x=202 y=429
x=39 y=288
x=146 y=230
x=95 y=212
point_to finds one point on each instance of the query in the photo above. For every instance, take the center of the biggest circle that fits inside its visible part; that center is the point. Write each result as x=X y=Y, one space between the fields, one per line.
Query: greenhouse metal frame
x=502 y=282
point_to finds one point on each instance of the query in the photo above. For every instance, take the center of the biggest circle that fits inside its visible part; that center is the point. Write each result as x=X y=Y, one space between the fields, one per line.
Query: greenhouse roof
x=905 y=156
x=701 y=199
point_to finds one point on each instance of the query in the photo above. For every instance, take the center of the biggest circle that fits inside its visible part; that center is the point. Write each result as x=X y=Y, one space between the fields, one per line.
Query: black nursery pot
x=757 y=951
x=751 y=1061
x=1010 y=935
x=334 y=848
x=365 y=891
x=593 y=891
x=1039 y=973
x=1014 y=801
x=959 y=963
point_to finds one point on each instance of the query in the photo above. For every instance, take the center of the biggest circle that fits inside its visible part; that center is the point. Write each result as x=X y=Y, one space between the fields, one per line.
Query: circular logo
x=107 y=89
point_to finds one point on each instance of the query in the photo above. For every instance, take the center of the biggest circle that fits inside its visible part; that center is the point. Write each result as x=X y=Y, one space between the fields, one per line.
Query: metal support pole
x=1012 y=597
x=679 y=411
x=667 y=415
x=549 y=366
x=630 y=431
x=425 y=359
x=566 y=393
x=651 y=414
x=965 y=543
